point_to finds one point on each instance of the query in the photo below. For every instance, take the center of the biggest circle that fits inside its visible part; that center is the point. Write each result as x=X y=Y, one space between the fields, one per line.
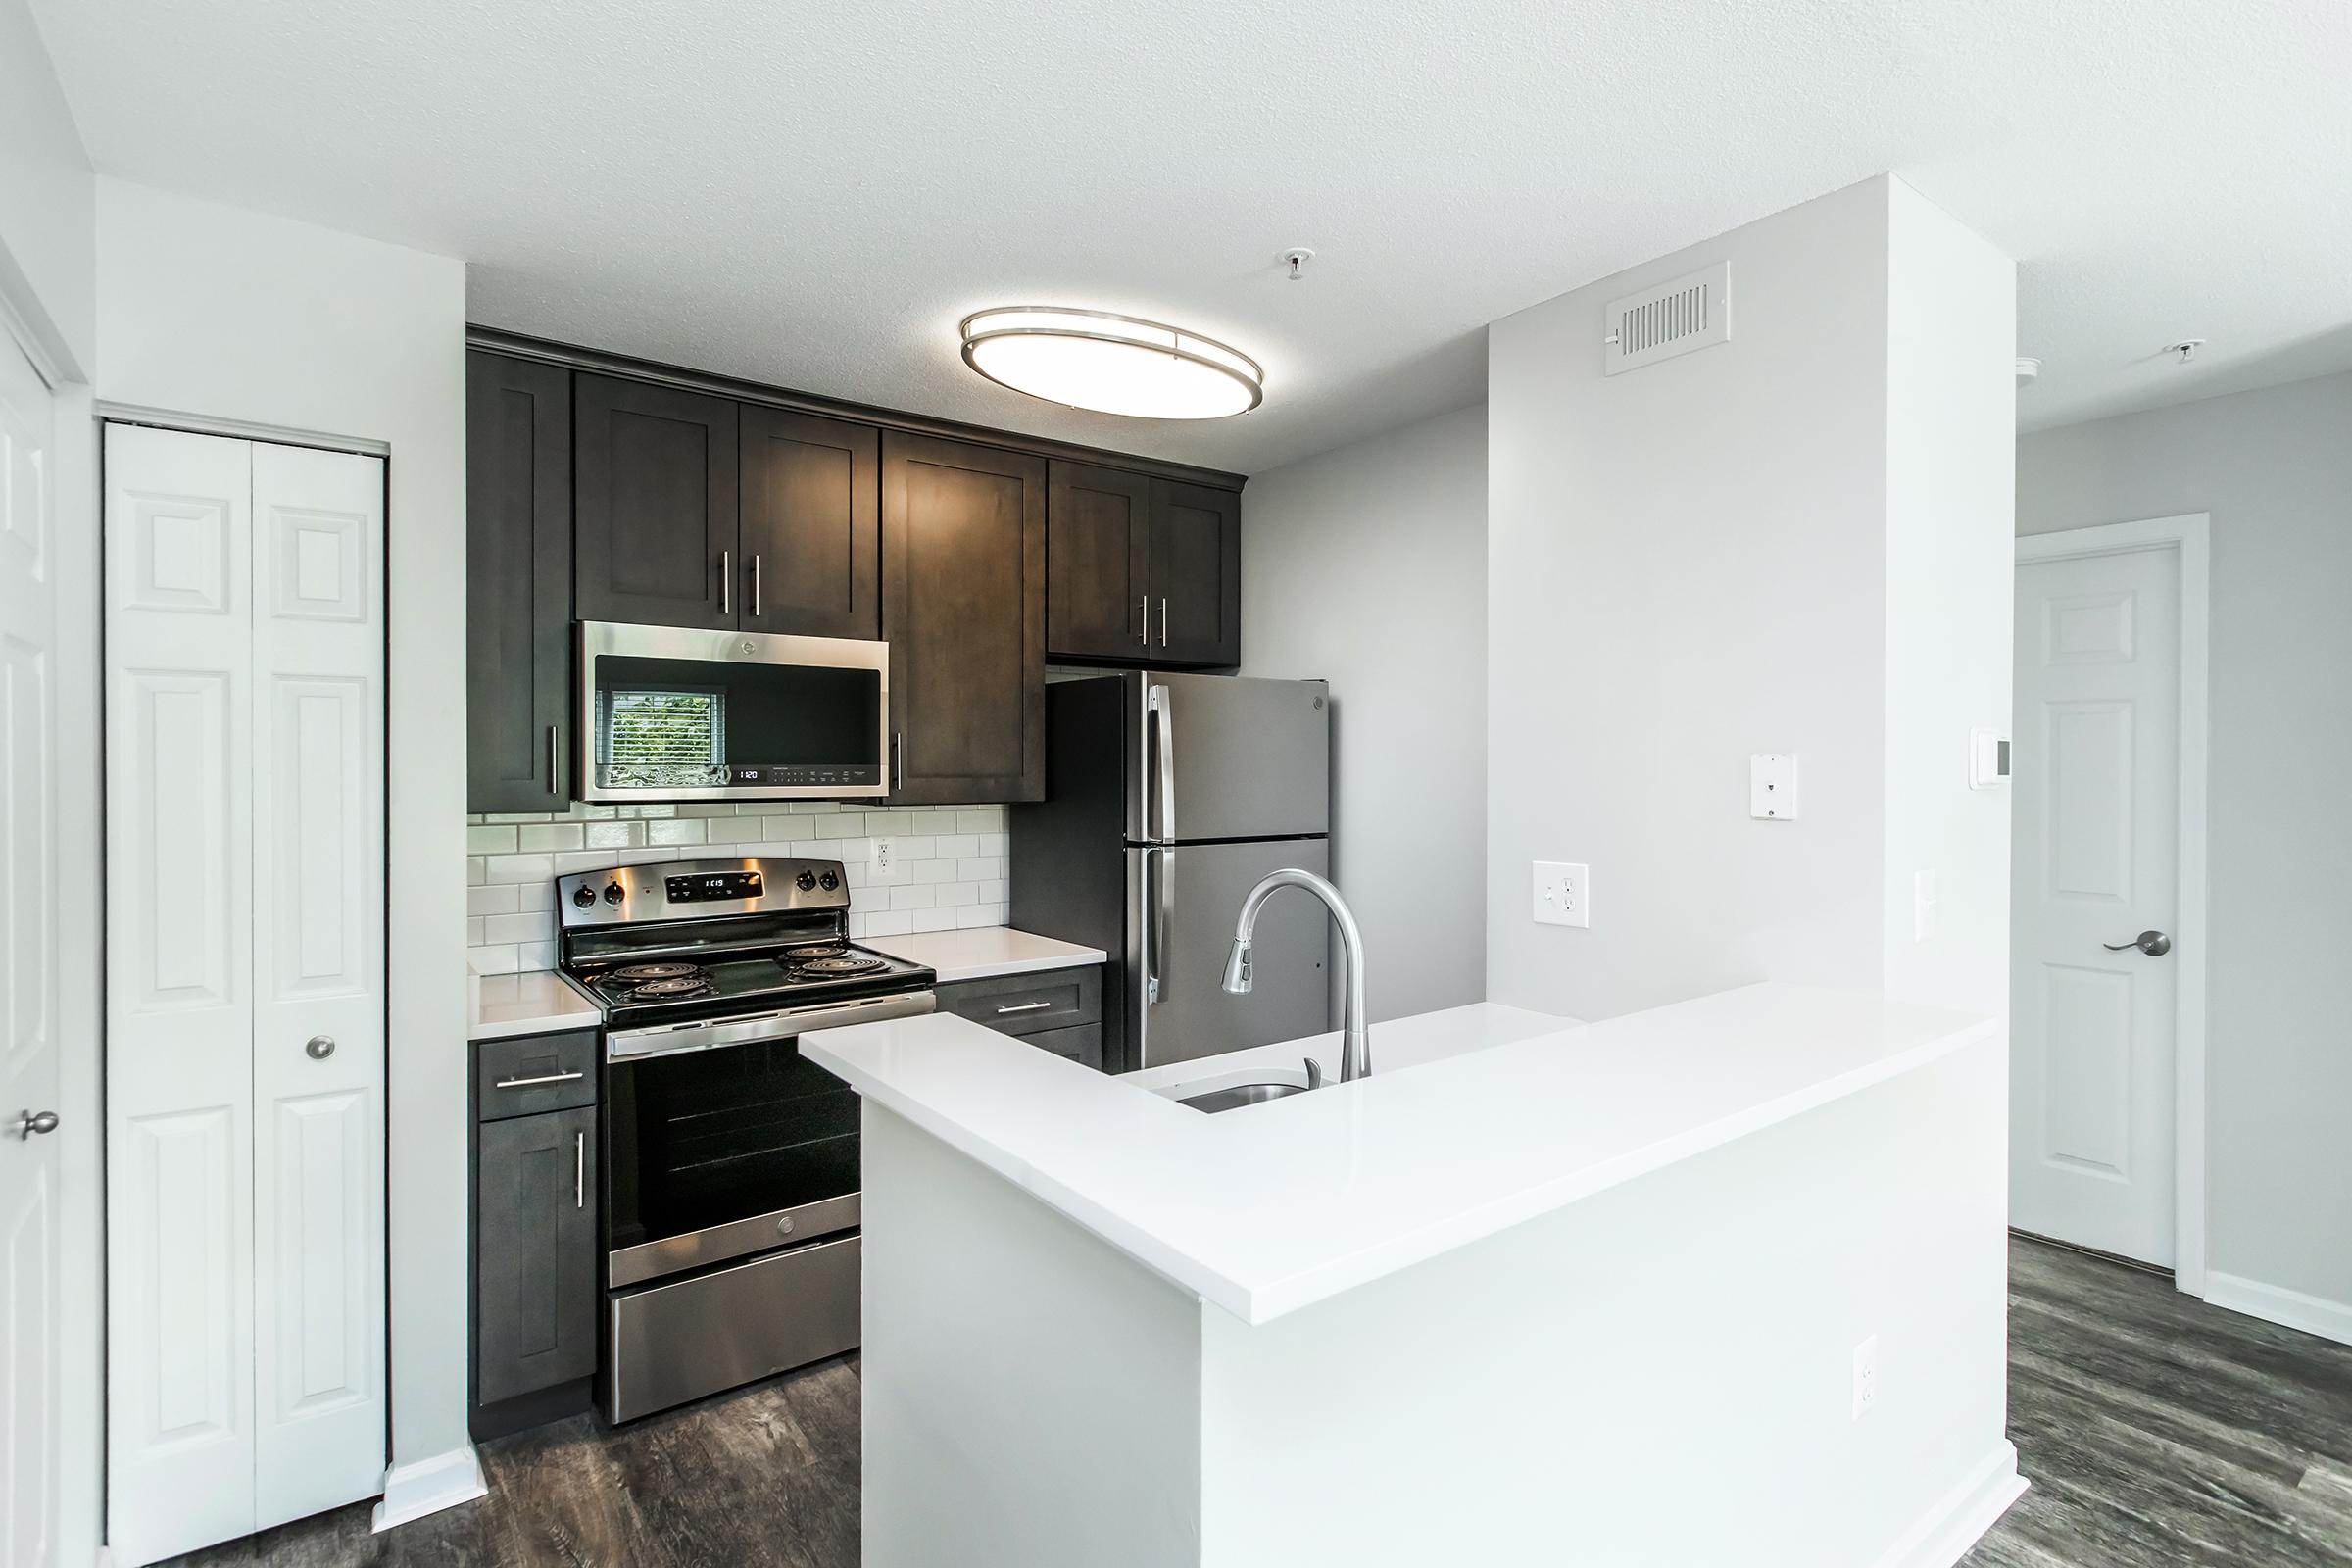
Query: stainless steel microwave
x=673 y=713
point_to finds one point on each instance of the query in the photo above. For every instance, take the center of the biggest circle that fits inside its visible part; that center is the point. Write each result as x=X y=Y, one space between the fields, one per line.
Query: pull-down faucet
x=1355 y=1054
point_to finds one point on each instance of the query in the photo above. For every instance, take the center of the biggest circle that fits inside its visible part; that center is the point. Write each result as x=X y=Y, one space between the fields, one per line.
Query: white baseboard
x=1967 y=1511
x=428 y=1486
x=2275 y=1303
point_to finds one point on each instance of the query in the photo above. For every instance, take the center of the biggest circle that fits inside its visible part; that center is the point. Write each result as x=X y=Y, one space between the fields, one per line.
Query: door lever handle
x=2155 y=944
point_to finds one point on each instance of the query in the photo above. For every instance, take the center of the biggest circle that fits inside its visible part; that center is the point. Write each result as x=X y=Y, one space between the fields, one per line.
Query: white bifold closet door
x=245 y=986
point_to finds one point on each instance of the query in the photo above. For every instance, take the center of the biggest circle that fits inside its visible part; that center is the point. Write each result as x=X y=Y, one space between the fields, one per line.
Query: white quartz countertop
x=538 y=1003
x=1473 y=1120
x=983 y=950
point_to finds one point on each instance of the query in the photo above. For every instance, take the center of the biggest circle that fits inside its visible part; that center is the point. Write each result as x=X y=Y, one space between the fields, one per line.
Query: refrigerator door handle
x=1163 y=919
x=1163 y=787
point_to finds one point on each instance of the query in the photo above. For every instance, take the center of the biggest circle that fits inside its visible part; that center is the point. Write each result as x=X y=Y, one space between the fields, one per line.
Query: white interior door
x=30 y=1192
x=2096 y=863
x=244 y=917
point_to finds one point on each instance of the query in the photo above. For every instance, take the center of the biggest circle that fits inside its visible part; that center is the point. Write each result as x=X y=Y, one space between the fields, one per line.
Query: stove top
x=719 y=943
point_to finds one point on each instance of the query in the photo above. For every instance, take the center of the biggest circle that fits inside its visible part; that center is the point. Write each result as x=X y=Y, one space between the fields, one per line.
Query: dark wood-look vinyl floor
x=2158 y=1432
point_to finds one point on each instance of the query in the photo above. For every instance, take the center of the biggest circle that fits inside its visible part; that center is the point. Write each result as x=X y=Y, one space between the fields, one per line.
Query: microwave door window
x=657 y=736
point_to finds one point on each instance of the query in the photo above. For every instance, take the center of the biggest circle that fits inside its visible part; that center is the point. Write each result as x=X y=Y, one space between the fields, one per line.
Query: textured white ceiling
x=814 y=194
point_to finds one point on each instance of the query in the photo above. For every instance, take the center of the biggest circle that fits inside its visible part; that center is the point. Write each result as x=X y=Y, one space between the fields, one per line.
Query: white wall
x=47 y=196
x=218 y=313
x=1366 y=566
x=1704 y=559
x=1951 y=489
x=2273 y=468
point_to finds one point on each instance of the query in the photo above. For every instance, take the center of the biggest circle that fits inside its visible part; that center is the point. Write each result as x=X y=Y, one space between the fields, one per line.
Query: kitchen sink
x=1254 y=1091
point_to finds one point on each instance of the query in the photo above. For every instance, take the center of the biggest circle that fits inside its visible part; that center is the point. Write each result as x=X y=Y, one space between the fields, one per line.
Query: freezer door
x=1217 y=757
x=1182 y=904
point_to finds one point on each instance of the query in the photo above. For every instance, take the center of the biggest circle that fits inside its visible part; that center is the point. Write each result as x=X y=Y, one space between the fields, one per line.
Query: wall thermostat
x=1987 y=759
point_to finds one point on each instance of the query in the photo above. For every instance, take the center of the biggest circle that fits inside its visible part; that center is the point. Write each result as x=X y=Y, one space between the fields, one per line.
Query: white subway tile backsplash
x=503 y=898
x=490 y=841
x=951 y=869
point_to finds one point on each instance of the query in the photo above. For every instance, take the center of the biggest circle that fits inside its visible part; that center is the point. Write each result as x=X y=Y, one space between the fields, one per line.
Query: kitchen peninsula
x=1718 y=1283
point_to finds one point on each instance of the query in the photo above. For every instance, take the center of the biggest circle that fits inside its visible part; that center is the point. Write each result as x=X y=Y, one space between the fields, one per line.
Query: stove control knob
x=804 y=881
x=829 y=881
x=584 y=896
x=615 y=893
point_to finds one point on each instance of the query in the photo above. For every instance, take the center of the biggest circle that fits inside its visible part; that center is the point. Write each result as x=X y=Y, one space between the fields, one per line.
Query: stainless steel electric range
x=730 y=1168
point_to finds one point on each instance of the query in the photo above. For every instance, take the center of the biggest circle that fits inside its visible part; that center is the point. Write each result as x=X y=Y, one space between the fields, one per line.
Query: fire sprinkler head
x=2186 y=350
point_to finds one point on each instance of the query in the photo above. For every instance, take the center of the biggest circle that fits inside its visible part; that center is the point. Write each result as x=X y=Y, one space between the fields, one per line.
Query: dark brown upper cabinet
x=963 y=605
x=1098 y=533
x=809 y=541
x=1196 y=583
x=519 y=730
x=657 y=520
x=1142 y=570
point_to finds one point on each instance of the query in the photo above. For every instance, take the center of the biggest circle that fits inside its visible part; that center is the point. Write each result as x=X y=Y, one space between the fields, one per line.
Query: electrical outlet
x=1563 y=894
x=882 y=863
x=1866 y=1377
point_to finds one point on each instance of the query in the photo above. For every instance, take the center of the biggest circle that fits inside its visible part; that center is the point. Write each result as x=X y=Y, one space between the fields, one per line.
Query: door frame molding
x=2189 y=535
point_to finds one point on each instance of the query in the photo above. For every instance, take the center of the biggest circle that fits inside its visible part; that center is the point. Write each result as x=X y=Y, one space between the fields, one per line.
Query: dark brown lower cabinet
x=963 y=605
x=536 y=1255
x=1057 y=1010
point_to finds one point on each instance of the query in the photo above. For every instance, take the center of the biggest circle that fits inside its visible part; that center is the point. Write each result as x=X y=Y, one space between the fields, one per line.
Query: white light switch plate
x=1772 y=786
x=1563 y=893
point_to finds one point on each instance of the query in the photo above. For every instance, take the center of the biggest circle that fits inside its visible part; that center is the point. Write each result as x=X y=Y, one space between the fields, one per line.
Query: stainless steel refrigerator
x=1167 y=797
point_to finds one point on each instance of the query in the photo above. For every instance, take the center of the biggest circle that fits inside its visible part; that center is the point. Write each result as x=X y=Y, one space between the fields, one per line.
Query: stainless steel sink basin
x=1236 y=1096
x=1275 y=1085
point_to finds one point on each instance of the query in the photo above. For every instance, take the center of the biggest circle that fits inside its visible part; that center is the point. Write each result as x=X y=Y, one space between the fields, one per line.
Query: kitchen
x=713 y=894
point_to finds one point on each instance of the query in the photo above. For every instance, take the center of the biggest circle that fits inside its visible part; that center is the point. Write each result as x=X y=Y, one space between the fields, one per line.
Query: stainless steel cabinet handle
x=543 y=1078
x=580 y=1170
x=1142 y=618
x=1163 y=623
x=726 y=582
x=33 y=1123
x=1026 y=1006
x=554 y=752
x=319 y=1046
x=2155 y=944
x=898 y=760
x=755 y=586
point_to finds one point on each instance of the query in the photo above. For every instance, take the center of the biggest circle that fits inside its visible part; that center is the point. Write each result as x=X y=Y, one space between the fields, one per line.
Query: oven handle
x=630 y=1044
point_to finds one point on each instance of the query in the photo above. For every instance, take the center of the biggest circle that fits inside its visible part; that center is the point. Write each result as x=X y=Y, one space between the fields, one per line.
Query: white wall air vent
x=1657 y=323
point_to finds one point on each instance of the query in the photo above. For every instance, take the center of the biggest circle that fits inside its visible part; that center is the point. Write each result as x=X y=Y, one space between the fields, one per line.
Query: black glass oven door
x=712 y=1154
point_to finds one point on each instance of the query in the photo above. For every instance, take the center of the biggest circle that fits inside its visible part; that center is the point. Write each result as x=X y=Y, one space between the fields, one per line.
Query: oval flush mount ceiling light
x=1111 y=363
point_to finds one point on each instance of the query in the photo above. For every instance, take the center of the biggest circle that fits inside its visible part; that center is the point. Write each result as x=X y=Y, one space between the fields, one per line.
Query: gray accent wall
x=2273 y=468
x=1366 y=566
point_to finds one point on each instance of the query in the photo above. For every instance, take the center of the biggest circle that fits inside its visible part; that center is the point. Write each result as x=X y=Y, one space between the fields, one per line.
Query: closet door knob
x=320 y=1047
x=33 y=1122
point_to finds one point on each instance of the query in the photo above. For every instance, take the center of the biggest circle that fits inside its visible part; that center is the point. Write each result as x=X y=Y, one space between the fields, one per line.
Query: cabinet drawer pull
x=1026 y=1006
x=580 y=1170
x=545 y=1078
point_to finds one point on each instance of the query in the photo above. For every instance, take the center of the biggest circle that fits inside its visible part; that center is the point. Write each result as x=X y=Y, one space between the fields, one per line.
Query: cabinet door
x=810 y=529
x=1196 y=574
x=518 y=585
x=535 y=1254
x=656 y=536
x=964 y=604
x=1097 y=529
